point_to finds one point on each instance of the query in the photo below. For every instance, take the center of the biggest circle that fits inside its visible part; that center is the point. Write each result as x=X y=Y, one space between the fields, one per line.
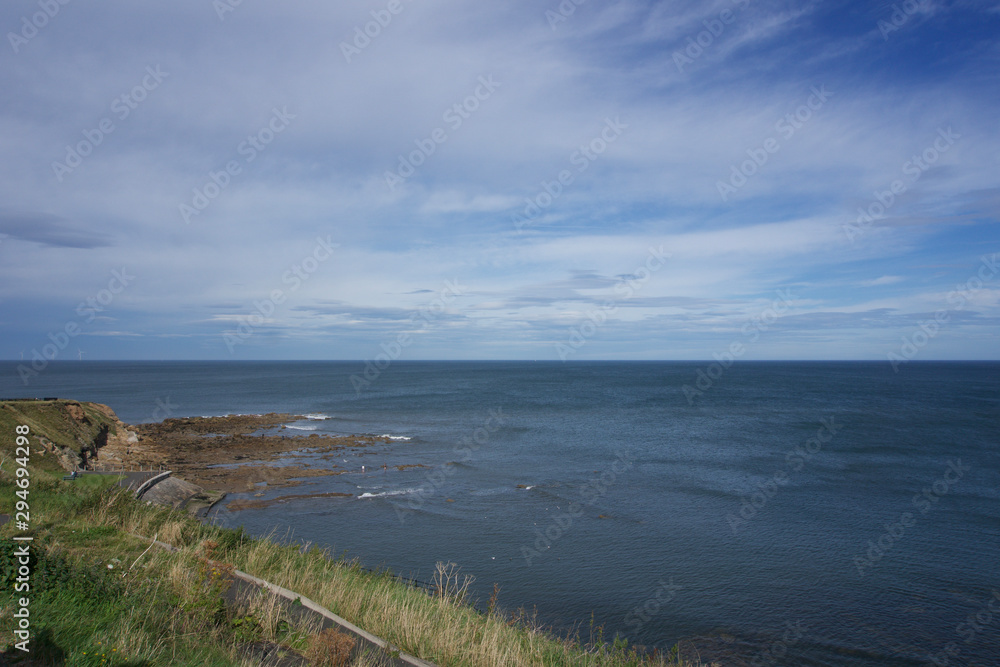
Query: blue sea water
x=790 y=514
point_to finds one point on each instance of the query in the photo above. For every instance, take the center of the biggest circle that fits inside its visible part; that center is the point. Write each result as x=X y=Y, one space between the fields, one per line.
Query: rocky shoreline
x=238 y=453
x=211 y=455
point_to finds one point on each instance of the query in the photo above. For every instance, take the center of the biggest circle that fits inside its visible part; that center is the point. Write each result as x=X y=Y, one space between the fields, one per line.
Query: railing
x=49 y=398
x=97 y=466
x=429 y=588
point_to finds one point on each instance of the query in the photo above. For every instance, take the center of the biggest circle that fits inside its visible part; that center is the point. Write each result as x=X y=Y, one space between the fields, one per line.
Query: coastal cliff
x=66 y=434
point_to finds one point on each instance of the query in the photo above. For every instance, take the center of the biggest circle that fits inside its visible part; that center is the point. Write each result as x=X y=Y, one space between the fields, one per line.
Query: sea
x=756 y=513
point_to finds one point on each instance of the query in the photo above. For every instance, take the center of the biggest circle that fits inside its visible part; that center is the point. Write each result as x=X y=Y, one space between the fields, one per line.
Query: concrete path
x=159 y=487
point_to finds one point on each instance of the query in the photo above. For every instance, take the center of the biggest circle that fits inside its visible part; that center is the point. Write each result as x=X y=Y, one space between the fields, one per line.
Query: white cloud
x=884 y=280
x=657 y=184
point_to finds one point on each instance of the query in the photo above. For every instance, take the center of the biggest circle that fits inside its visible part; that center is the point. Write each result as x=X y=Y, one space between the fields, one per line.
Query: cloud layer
x=317 y=180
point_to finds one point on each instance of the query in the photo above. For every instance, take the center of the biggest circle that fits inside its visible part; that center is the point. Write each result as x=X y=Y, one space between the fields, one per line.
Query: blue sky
x=608 y=180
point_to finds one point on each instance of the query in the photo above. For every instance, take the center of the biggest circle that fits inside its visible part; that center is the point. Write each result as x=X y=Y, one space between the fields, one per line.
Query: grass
x=159 y=607
x=99 y=597
x=84 y=614
x=51 y=420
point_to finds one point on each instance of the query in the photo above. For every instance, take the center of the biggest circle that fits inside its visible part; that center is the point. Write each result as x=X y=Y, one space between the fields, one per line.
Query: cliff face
x=64 y=434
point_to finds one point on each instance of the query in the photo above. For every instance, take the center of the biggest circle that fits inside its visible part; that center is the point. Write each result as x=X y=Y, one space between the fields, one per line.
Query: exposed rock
x=235 y=453
x=220 y=454
x=75 y=412
x=74 y=431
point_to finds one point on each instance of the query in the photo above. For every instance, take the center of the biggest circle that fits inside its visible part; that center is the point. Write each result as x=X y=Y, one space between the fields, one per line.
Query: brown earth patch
x=75 y=411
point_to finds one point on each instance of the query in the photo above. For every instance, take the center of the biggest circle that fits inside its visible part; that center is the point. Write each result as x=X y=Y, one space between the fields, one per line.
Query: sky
x=443 y=179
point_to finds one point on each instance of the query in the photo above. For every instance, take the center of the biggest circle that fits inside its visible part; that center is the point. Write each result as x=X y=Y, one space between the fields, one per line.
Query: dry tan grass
x=438 y=629
x=330 y=648
x=441 y=629
x=172 y=532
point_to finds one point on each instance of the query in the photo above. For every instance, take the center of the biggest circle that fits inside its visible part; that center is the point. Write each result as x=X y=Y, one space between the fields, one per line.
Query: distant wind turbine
x=79 y=353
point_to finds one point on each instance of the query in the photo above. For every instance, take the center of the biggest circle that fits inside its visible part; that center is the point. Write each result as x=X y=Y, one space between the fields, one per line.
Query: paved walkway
x=169 y=491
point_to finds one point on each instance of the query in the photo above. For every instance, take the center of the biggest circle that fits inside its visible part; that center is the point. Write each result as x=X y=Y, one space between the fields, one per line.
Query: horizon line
x=552 y=361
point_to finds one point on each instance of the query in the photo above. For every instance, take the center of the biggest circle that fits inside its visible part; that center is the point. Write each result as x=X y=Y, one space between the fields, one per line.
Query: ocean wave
x=395 y=437
x=233 y=414
x=302 y=428
x=316 y=416
x=382 y=494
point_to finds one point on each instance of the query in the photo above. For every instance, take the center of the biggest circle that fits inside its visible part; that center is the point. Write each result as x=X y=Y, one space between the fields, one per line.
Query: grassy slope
x=167 y=609
x=50 y=420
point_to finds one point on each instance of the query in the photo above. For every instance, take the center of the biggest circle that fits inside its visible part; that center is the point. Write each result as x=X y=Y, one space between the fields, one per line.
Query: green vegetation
x=102 y=594
x=96 y=599
x=79 y=424
x=68 y=427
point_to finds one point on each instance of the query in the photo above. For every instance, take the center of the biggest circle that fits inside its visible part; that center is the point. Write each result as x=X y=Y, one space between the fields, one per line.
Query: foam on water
x=384 y=494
